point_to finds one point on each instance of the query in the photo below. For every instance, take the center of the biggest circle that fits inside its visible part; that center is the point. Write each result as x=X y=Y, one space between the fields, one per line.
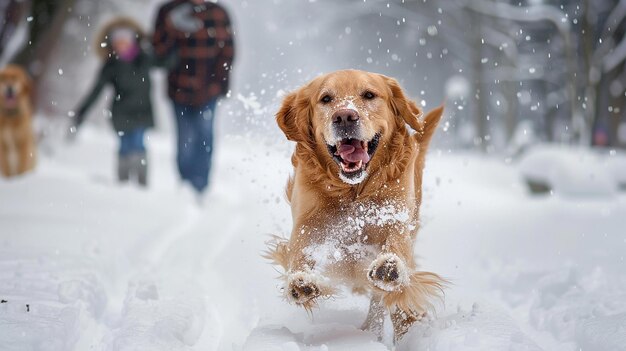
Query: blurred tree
x=604 y=57
x=45 y=25
x=10 y=13
x=557 y=64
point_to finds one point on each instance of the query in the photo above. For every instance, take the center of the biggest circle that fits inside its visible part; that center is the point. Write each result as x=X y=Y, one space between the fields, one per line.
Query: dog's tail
x=428 y=126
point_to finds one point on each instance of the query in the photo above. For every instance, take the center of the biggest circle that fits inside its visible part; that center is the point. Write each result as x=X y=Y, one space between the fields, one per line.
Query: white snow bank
x=330 y=337
x=333 y=326
x=481 y=328
x=578 y=305
x=574 y=171
x=603 y=333
x=617 y=167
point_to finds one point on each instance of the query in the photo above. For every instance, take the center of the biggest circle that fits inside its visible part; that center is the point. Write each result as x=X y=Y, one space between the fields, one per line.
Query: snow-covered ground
x=87 y=264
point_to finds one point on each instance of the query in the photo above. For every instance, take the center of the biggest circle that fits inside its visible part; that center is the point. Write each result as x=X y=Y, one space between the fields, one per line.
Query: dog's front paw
x=302 y=288
x=388 y=272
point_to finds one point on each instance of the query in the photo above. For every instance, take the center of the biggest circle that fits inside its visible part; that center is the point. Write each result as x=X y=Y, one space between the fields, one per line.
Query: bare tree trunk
x=551 y=124
x=510 y=122
x=591 y=78
x=480 y=111
x=552 y=14
x=614 y=122
x=46 y=27
x=617 y=101
x=48 y=19
x=9 y=19
x=606 y=117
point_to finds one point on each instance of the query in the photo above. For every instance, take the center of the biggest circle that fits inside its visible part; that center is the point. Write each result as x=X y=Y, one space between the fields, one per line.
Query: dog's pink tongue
x=353 y=152
x=10 y=102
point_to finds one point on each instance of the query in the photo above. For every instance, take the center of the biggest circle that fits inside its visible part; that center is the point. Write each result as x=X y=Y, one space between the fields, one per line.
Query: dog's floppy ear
x=291 y=118
x=286 y=117
x=402 y=106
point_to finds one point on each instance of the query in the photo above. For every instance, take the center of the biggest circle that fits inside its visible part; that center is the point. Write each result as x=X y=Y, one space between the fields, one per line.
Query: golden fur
x=359 y=235
x=17 y=141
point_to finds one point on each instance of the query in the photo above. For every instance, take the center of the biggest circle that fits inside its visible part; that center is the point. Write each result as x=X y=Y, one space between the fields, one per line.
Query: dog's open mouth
x=353 y=157
x=10 y=99
x=10 y=102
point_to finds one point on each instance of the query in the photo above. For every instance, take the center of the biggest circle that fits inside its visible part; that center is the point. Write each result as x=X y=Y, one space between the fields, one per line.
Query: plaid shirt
x=205 y=56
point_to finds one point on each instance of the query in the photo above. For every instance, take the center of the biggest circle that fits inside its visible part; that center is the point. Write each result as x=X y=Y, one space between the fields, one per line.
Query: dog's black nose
x=345 y=117
x=10 y=91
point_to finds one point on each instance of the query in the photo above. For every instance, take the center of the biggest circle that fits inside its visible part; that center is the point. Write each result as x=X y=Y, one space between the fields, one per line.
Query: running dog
x=17 y=140
x=355 y=195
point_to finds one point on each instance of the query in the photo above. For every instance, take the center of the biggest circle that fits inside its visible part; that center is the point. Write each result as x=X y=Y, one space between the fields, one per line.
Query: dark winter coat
x=205 y=50
x=131 y=106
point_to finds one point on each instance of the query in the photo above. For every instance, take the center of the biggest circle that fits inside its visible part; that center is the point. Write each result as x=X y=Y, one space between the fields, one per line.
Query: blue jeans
x=132 y=142
x=195 y=143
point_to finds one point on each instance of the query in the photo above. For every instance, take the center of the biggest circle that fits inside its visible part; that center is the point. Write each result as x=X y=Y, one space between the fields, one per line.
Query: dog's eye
x=368 y=95
x=326 y=99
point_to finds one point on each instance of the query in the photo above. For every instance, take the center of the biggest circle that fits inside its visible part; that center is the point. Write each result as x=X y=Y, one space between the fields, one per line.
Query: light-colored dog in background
x=355 y=196
x=17 y=139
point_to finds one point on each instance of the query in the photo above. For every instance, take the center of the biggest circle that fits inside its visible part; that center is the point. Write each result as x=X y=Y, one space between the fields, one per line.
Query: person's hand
x=181 y=17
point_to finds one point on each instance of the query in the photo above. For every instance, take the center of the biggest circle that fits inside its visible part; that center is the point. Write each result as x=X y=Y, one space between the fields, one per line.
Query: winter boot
x=140 y=167
x=123 y=168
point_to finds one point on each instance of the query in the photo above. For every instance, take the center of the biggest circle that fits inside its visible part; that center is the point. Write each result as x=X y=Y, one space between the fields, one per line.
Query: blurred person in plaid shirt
x=200 y=33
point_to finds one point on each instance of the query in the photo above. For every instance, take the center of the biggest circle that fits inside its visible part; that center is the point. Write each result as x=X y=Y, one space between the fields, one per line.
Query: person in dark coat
x=127 y=68
x=200 y=32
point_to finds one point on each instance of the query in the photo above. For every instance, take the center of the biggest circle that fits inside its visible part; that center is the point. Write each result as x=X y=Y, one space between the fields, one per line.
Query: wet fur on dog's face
x=15 y=86
x=349 y=115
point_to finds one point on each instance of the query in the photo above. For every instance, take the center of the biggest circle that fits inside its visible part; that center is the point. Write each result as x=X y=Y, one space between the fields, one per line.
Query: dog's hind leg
x=5 y=165
x=26 y=156
x=402 y=321
x=405 y=290
x=375 y=321
x=32 y=155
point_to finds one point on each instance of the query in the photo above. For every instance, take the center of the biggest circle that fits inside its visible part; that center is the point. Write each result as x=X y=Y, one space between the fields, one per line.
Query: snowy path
x=105 y=267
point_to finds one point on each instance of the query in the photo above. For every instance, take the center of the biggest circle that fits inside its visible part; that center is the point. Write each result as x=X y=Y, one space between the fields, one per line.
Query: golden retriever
x=17 y=141
x=355 y=196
